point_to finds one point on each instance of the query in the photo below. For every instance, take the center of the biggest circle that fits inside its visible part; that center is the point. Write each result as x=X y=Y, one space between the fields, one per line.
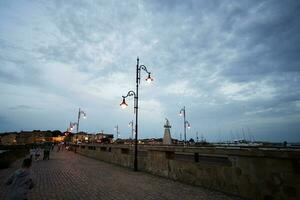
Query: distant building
x=29 y=137
x=25 y=137
x=58 y=139
x=104 y=138
x=93 y=138
x=8 y=139
x=79 y=137
x=167 y=133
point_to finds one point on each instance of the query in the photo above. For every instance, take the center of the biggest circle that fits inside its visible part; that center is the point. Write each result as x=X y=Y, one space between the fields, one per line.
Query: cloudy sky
x=234 y=65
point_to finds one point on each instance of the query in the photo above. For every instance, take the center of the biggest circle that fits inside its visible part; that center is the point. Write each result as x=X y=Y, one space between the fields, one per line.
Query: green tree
x=56 y=133
x=48 y=134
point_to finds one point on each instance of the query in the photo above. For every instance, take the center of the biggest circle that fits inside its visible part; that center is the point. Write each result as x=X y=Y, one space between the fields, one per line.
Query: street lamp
x=132 y=128
x=186 y=124
x=70 y=129
x=71 y=126
x=117 y=129
x=123 y=105
x=80 y=112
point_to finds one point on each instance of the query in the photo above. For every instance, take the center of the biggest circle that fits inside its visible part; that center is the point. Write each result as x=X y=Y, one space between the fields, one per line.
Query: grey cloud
x=91 y=26
x=18 y=64
x=22 y=107
x=270 y=42
x=207 y=44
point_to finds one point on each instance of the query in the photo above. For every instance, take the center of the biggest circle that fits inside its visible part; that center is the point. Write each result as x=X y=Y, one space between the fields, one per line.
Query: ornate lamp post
x=185 y=122
x=149 y=79
x=71 y=126
x=117 y=129
x=80 y=112
x=70 y=129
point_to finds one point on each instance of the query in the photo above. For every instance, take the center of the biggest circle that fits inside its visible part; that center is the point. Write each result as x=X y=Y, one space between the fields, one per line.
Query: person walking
x=46 y=152
x=32 y=152
x=58 y=147
x=38 y=152
x=63 y=146
x=20 y=182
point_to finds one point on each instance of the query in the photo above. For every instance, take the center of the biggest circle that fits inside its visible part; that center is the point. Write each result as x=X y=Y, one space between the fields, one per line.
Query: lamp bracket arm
x=130 y=93
x=143 y=67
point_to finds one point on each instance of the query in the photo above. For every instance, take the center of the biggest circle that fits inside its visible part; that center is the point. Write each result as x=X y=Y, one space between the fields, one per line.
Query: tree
x=48 y=134
x=56 y=133
x=69 y=137
x=191 y=140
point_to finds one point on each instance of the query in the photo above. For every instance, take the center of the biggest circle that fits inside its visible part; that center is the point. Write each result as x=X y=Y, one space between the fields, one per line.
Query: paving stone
x=71 y=176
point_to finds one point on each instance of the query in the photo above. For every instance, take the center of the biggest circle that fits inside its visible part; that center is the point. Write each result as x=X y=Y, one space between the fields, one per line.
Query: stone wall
x=251 y=173
x=11 y=153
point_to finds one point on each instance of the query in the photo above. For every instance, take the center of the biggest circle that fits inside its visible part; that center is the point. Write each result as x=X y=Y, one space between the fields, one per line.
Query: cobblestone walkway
x=71 y=176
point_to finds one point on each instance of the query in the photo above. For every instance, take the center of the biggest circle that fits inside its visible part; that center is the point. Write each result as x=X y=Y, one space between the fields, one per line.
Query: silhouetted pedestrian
x=38 y=152
x=62 y=146
x=58 y=147
x=46 y=152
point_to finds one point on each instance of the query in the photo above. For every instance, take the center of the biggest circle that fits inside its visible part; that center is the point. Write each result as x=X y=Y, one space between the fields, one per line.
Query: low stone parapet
x=252 y=173
x=11 y=153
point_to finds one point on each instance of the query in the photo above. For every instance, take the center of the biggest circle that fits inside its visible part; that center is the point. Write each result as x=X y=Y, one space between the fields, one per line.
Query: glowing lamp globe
x=123 y=104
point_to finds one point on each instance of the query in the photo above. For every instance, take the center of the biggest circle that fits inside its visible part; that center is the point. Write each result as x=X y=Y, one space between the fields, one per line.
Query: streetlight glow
x=149 y=79
x=71 y=126
x=189 y=125
x=80 y=112
x=123 y=104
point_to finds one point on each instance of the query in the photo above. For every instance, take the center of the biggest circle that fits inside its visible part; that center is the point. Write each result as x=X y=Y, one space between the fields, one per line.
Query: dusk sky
x=234 y=65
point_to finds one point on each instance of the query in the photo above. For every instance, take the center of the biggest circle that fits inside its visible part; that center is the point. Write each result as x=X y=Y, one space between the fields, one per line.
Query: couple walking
x=35 y=153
